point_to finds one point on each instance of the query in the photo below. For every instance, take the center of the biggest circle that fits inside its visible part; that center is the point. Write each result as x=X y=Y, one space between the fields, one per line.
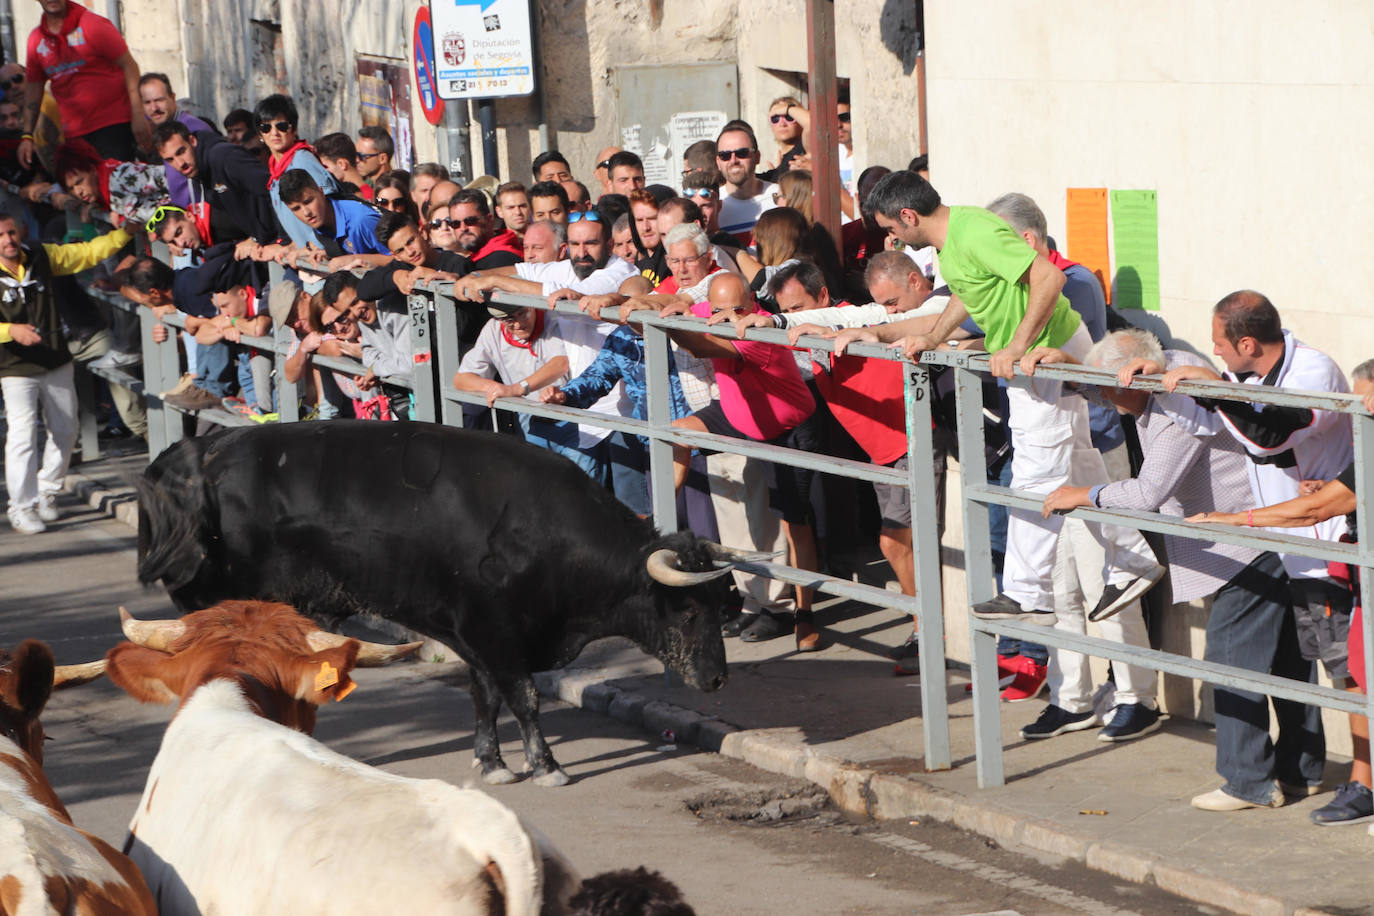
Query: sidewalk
x=841 y=719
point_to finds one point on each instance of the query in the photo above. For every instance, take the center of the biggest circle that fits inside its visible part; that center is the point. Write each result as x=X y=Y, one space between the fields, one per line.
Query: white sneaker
x=47 y=507
x=1221 y=800
x=26 y=521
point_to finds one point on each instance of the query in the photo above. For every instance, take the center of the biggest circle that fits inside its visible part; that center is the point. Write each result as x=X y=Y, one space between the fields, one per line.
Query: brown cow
x=46 y=864
x=242 y=815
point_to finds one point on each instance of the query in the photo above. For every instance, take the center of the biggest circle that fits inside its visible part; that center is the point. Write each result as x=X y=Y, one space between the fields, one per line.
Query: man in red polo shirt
x=94 y=80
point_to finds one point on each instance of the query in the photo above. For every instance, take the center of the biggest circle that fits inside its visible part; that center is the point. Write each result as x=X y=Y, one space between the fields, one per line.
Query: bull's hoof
x=551 y=778
x=500 y=776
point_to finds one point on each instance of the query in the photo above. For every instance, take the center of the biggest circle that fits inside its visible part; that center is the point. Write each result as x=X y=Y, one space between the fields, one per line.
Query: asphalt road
x=735 y=839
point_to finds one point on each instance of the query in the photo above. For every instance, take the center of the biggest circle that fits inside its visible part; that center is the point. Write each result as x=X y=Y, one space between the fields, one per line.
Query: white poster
x=687 y=127
x=482 y=48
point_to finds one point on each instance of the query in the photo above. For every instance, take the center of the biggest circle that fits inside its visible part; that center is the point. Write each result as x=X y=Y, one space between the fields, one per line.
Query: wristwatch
x=524 y=387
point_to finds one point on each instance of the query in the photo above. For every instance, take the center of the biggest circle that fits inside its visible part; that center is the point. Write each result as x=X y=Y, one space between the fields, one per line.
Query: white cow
x=243 y=815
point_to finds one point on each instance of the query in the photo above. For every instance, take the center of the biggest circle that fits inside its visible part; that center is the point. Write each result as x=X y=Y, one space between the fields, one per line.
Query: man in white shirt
x=590 y=269
x=744 y=195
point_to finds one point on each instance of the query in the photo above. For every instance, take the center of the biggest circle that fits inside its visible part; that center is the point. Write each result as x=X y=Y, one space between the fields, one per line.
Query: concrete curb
x=867 y=793
x=858 y=791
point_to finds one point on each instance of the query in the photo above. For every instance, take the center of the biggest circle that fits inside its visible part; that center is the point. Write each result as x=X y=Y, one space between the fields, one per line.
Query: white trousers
x=1052 y=446
x=1077 y=588
x=744 y=518
x=53 y=393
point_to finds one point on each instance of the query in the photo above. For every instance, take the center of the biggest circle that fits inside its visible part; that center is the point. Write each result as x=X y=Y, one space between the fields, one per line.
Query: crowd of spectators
x=732 y=244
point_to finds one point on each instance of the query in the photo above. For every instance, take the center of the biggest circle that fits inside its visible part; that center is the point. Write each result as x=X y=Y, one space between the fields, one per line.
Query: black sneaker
x=1004 y=608
x=1056 y=720
x=1116 y=597
x=908 y=649
x=1131 y=720
x=1353 y=804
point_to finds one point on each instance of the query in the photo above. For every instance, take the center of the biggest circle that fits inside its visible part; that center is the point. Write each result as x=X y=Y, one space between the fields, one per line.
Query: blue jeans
x=215 y=369
x=1252 y=627
x=562 y=438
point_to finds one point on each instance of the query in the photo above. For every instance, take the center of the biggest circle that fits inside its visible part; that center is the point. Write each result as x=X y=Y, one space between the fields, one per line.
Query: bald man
x=603 y=172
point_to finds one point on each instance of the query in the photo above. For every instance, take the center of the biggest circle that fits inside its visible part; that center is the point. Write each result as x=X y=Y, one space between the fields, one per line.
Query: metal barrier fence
x=434 y=338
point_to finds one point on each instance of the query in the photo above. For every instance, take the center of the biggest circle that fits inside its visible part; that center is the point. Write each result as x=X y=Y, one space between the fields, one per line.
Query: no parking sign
x=423 y=43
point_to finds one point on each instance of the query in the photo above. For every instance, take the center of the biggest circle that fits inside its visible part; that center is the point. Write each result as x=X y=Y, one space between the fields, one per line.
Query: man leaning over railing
x=1286 y=444
x=1191 y=465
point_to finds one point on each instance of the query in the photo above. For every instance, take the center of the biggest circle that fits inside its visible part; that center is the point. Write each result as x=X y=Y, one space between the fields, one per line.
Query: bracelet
x=233 y=322
x=1250 y=517
x=28 y=137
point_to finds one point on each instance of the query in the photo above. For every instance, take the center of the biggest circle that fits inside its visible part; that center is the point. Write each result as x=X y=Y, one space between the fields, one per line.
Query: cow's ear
x=33 y=667
x=147 y=675
x=323 y=676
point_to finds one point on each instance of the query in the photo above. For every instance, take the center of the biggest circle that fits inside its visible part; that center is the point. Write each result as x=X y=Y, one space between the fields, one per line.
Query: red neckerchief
x=277 y=167
x=1058 y=260
x=74 y=14
x=102 y=175
x=510 y=338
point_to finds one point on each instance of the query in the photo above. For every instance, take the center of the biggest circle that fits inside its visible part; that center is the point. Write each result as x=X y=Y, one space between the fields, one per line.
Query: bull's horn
x=71 y=675
x=370 y=654
x=154 y=634
x=662 y=567
x=740 y=556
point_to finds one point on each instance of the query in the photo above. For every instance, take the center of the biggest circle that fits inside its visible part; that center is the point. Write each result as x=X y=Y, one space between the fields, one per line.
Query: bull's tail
x=171 y=547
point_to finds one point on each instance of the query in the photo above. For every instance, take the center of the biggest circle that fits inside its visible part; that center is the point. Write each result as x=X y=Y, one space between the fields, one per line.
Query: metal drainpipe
x=114 y=11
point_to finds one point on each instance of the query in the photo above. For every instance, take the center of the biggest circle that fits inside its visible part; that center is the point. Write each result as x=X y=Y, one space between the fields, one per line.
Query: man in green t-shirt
x=1012 y=293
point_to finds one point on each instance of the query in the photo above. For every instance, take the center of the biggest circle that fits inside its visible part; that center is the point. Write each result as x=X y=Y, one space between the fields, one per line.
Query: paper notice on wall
x=658 y=165
x=688 y=127
x=629 y=138
x=1087 y=233
x=1135 y=230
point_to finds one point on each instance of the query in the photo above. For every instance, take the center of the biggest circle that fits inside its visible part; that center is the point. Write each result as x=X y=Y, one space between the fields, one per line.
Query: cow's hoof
x=498 y=777
x=552 y=778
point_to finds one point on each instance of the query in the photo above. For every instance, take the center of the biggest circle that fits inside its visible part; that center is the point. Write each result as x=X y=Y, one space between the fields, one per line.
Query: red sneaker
x=1028 y=683
x=1008 y=668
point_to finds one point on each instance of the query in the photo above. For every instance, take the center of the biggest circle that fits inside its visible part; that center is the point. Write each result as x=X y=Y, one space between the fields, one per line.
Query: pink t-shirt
x=762 y=393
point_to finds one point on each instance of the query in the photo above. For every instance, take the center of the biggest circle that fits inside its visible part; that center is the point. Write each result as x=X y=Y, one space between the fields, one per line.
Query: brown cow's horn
x=662 y=567
x=154 y=634
x=71 y=675
x=370 y=654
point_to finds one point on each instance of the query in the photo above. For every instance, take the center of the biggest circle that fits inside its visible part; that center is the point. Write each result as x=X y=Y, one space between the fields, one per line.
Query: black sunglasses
x=604 y=164
x=14 y=80
x=391 y=203
x=454 y=222
x=843 y=117
x=743 y=152
x=265 y=127
x=779 y=118
x=344 y=319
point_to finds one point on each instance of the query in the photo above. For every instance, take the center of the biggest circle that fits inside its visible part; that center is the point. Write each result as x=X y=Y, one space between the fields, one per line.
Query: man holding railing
x=1013 y=293
x=1287 y=445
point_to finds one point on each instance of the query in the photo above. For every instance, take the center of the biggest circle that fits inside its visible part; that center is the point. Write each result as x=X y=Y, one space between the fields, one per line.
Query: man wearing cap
x=521 y=350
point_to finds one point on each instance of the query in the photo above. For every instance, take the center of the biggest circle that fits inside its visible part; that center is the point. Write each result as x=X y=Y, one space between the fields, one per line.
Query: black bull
x=502 y=550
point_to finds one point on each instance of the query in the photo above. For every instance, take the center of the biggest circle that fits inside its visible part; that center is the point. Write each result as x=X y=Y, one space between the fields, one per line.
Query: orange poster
x=1087 y=233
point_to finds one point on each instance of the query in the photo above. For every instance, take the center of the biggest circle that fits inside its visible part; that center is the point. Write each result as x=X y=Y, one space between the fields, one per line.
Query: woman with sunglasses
x=276 y=119
x=784 y=119
x=131 y=191
x=393 y=193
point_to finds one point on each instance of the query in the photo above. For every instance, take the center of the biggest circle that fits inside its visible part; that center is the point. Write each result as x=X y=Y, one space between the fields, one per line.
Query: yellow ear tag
x=352 y=686
x=328 y=676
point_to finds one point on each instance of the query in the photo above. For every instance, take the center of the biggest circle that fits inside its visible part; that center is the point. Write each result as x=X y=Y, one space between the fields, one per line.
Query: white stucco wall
x=1248 y=118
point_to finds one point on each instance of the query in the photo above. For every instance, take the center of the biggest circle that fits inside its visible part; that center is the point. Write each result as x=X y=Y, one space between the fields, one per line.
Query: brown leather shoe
x=808 y=637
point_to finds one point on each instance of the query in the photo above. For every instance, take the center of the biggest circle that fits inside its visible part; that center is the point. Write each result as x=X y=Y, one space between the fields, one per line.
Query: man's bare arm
x=941 y=329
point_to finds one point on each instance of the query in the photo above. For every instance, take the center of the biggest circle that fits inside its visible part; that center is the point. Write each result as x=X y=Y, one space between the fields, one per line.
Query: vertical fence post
x=1364 y=488
x=656 y=358
x=161 y=418
x=925 y=535
x=89 y=443
x=980 y=578
x=424 y=399
x=288 y=393
x=446 y=355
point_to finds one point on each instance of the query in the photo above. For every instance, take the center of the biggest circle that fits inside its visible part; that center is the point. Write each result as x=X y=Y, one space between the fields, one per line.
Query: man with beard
x=228 y=186
x=744 y=195
x=159 y=107
x=591 y=268
x=470 y=219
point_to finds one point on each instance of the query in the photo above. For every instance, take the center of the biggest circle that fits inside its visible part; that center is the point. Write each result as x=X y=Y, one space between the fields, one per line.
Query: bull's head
x=285 y=665
x=27 y=678
x=688 y=638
